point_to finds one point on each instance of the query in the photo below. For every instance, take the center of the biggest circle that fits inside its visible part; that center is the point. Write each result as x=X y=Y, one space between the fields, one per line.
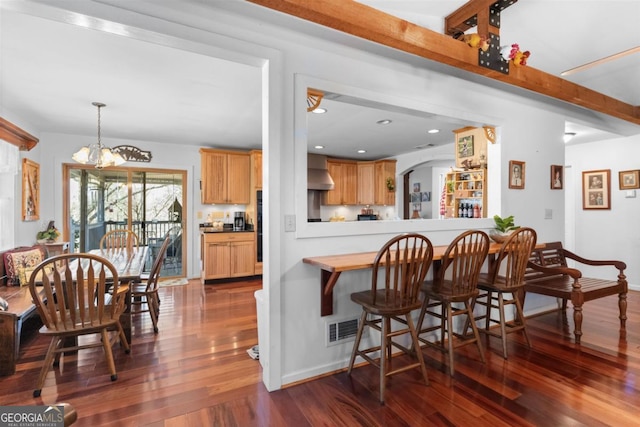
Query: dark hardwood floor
x=196 y=372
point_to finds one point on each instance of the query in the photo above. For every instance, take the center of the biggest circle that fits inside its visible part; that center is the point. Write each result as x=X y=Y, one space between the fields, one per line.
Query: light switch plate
x=548 y=214
x=630 y=194
x=289 y=223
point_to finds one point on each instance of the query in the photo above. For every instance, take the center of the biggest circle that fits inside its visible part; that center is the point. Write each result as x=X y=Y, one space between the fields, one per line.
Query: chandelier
x=98 y=154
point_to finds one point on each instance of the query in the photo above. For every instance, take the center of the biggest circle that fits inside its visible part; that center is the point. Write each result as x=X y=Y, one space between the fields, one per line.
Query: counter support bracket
x=328 y=280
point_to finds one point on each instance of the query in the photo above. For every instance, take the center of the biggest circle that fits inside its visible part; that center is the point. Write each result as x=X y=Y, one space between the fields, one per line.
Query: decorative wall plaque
x=132 y=154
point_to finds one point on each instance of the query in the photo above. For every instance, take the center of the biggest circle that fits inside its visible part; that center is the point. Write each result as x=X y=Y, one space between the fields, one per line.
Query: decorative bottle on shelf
x=476 y=210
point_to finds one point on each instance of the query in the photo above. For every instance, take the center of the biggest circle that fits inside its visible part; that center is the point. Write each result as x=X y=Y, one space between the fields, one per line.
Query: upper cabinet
x=385 y=182
x=362 y=183
x=366 y=183
x=345 y=175
x=225 y=176
x=256 y=168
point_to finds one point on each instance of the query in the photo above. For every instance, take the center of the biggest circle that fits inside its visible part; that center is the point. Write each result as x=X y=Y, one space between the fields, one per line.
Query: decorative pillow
x=20 y=258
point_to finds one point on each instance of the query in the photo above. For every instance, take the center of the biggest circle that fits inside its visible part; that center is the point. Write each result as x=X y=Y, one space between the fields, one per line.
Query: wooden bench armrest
x=621 y=266
x=551 y=271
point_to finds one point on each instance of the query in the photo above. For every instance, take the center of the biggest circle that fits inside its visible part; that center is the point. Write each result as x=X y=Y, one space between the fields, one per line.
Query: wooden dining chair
x=506 y=277
x=452 y=290
x=144 y=295
x=118 y=239
x=399 y=269
x=71 y=295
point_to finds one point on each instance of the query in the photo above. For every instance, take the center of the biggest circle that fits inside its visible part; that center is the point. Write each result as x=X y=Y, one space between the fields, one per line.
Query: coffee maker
x=238 y=221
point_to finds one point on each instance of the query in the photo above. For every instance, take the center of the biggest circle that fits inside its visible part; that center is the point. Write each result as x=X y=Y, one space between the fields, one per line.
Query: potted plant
x=49 y=235
x=503 y=229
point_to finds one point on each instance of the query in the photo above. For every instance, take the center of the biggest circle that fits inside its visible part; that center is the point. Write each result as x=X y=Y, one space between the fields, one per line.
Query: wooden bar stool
x=454 y=284
x=399 y=268
x=506 y=276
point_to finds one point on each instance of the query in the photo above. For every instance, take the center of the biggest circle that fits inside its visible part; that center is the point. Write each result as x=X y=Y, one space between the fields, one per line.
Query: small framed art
x=516 y=174
x=556 y=177
x=596 y=189
x=465 y=146
x=30 y=190
x=629 y=179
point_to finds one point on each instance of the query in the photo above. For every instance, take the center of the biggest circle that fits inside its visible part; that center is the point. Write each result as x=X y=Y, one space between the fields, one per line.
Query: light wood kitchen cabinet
x=225 y=176
x=226 y=255
x=345 y=179
x=256 y=168
x=366 y=183
x=385 y=169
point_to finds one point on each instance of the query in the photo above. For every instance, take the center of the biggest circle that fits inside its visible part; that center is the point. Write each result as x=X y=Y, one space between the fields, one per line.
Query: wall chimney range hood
x=318 y=177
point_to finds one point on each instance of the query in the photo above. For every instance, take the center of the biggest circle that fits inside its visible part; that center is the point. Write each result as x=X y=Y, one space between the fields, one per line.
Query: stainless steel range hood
x=318 y=177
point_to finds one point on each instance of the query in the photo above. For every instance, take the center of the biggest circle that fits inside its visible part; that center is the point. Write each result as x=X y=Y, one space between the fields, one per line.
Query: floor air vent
x=342 y=330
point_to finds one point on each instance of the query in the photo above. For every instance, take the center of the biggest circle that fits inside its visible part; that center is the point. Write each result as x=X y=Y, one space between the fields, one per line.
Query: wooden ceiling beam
x=371 y=24
x=16 y=136
x=458 y=20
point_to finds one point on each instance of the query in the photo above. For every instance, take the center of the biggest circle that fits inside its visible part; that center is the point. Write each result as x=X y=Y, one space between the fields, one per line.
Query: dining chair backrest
x=70 y=291
x=154 y=274
x=462 y=262
x=119 y=239
x=402 y=264
x=511 y=261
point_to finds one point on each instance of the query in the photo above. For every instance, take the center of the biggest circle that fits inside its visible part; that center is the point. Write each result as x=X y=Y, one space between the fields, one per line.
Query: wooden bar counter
x=331 y=266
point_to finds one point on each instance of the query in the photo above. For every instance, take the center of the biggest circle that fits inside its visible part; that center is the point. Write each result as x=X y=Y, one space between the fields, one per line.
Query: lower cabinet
x=226 y=255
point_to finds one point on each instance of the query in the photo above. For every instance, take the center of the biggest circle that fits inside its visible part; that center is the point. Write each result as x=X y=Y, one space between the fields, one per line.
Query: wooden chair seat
x=383 y=303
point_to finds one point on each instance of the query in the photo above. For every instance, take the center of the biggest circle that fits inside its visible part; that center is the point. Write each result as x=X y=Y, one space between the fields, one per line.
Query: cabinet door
x=239 y=179
x=349 y=184
x=217 y=261
x=366 y=181
x=256 y=169
x=384 y=170
x=242 y=259
x=334 y=197
x=213 y=177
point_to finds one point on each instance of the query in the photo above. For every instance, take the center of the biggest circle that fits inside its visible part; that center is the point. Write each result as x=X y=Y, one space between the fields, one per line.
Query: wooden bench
x=21 y=308
x=548 y=274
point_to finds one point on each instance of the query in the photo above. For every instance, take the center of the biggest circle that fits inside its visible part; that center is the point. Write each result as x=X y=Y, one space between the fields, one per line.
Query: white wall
x=528 y=131
x=614 y=233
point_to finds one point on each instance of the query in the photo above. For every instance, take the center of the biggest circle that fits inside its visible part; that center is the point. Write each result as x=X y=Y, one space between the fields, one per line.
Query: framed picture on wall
x=30 y=190
x=465 y=146
x=556 y=177
x=596 y=189
x=629 y=179
x=516 y=174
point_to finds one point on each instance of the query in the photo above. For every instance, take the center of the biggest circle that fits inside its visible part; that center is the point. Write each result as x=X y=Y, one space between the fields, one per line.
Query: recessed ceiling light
x=362 y=151
x=319 y=147
x=319 y=110
x=383 y=122
x=433 y=131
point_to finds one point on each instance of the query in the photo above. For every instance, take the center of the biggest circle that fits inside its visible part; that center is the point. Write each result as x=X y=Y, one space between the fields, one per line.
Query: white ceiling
x=51 y=71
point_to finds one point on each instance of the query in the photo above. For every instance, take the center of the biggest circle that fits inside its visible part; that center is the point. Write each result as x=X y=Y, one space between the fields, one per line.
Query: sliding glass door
x=149 y=202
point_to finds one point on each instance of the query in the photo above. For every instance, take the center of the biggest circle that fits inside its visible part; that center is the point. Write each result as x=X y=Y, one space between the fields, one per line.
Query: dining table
x=331 y=266
x=129 y=264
